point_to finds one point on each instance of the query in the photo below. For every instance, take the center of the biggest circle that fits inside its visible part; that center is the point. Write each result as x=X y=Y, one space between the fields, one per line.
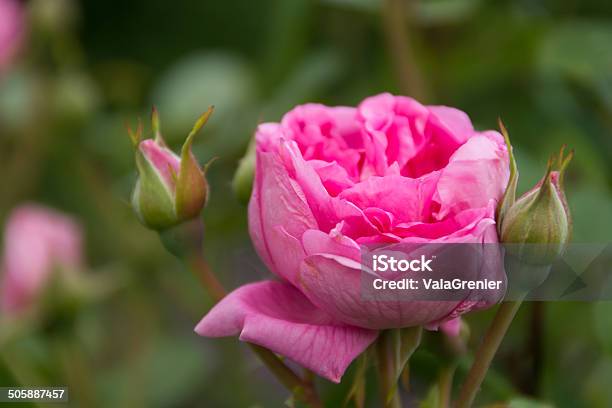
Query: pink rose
x=328 y=180
x=12 y=30
x=36 y=240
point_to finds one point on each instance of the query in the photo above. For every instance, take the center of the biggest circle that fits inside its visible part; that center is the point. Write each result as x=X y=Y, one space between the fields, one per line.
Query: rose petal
x=278 y=201
x=477 y=172
x=277 y=316
x=36 y=240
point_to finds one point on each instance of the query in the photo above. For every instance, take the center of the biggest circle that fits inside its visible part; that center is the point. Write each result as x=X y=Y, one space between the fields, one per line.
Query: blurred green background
x=88 y=67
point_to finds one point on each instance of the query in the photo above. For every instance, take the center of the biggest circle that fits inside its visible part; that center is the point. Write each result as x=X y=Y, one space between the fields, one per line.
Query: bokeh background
x=88 y=67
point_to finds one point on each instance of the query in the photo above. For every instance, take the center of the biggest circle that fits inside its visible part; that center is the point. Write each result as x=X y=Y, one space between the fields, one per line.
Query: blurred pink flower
x=36 y=240
x=329 y=179
x=12 y=30
x=452 y=327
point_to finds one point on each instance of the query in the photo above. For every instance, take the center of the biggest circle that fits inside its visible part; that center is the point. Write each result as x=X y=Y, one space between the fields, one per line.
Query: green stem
x=302 y=389
x=395 y=25
x=207 y=278
x=485 y=353
x=386 y=375
x=445 y=384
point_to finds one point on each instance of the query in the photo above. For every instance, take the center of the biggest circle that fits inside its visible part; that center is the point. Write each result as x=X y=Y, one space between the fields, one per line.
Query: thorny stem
x=302 y=389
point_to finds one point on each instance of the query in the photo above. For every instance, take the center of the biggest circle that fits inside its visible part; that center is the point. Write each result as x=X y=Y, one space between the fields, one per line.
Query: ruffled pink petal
x=314 y=193
x=163 y=160
x=406 y=198
x=397 y=127
x=466 y=226
x=334 y=177
x=333 y=283
x=477 y=172
x=325 y=133
x=456 y=123
x=277 y=316
x=333 y=278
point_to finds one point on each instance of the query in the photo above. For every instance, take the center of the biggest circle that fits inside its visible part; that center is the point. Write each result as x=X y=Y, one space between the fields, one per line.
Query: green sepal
x=152 y=200
x=509 y=196
x=191 y=185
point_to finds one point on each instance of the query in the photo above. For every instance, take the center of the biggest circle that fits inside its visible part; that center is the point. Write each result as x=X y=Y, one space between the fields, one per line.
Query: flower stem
x=445 y=384
x=395 y=24
x=302 y=389
x=207 y=278
x=485 y=353
x=386 y=376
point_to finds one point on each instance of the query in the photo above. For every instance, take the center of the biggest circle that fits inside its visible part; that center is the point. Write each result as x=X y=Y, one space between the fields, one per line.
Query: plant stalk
x=485 y=353
x=396 y=20
x=389 y=391
x=445 y=384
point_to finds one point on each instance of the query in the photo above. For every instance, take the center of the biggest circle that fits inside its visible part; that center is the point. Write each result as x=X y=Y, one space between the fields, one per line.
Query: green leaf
x=527 y=403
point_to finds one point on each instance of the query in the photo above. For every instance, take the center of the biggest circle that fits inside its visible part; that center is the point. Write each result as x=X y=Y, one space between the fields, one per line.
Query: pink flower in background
x=36 y=240
x=12 y=30
x=329 y=179
x=452 y=327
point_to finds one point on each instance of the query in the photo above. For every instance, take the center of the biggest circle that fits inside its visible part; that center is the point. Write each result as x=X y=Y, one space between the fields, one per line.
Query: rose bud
x=37 y=243
x=539 y=222
x=171 y=189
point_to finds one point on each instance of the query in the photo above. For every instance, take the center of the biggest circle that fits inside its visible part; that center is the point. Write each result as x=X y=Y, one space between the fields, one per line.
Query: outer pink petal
x=477 y=172
x=163 y=160
x=331 y=277
x=277 y=316
x=278 y=216
x=457 y=123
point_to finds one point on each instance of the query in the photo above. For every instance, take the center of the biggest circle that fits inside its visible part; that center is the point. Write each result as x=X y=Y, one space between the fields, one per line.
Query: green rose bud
x=171 y=189
x=538 y=225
